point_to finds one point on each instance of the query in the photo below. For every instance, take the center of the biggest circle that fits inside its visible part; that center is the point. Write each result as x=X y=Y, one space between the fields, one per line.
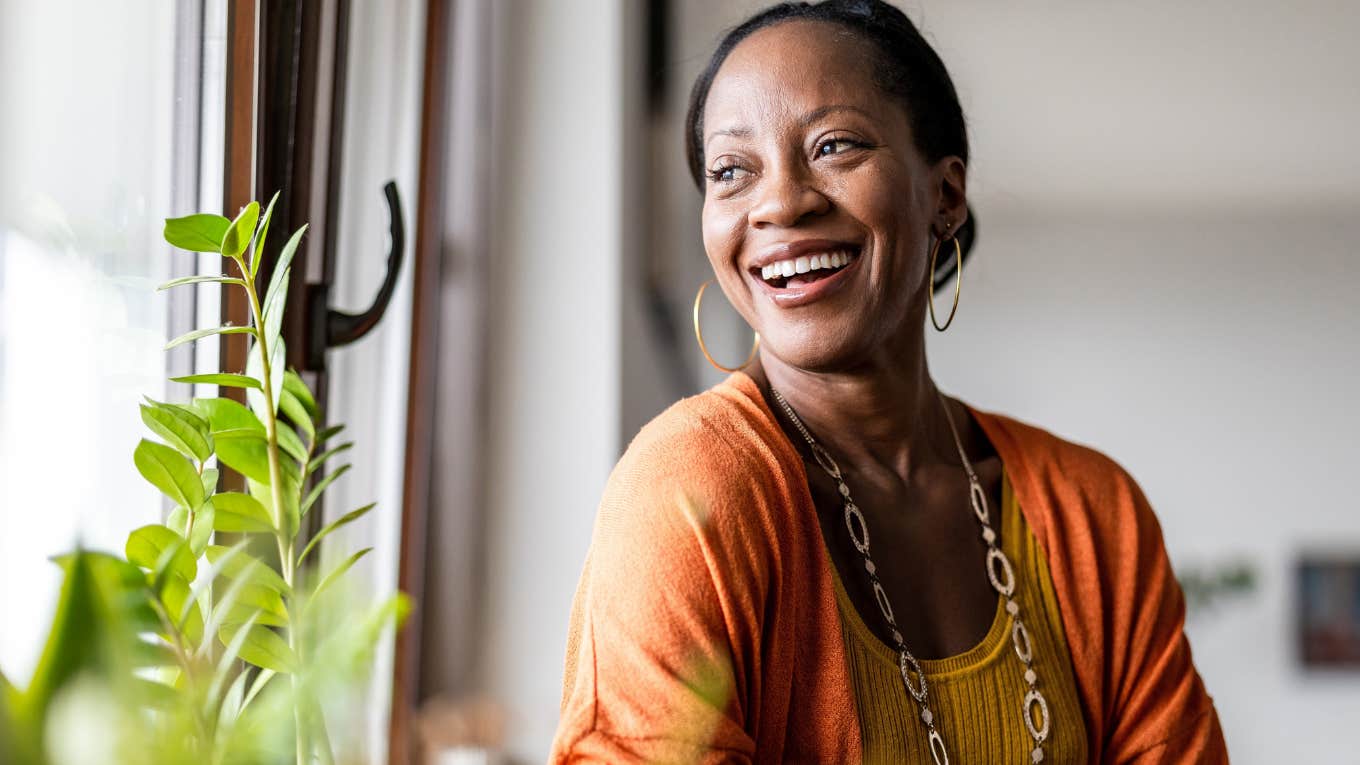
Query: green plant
x=185 y=641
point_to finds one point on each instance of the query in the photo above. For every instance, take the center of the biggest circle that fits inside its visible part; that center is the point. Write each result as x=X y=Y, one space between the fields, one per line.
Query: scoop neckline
x=986 y=650
x=992 y=644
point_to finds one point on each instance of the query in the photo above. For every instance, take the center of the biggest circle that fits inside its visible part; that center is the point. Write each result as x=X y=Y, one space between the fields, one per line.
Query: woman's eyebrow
x=741 y=131
x=744 y=131
x=821 y=112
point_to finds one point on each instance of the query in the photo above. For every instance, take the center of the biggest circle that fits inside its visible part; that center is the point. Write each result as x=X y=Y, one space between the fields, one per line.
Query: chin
x=816 y=347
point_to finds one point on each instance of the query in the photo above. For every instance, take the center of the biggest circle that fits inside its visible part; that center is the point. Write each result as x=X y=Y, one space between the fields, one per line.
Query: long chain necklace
x=999 y=572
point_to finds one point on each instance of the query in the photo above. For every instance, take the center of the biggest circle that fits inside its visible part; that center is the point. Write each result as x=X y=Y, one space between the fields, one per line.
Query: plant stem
x=286 y=550
x=190 y=675
x=207 y=590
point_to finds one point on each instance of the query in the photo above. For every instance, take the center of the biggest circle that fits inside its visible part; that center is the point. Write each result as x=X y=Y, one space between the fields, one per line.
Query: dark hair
x=907 y=69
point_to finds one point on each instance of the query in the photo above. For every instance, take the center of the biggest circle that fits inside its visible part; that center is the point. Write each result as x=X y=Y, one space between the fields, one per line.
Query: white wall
x=553 y=365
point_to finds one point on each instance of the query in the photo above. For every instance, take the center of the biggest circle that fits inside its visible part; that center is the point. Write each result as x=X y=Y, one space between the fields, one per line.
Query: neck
x=886 y=414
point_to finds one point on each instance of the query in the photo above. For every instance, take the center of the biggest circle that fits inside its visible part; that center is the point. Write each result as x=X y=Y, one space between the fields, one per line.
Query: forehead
x=791 y=69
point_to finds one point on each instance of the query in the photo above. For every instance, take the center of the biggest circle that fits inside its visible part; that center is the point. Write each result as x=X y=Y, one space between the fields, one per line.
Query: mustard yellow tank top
x=975 y=696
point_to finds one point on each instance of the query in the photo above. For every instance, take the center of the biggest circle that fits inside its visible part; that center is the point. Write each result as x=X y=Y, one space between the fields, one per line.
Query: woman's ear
x=953 y=189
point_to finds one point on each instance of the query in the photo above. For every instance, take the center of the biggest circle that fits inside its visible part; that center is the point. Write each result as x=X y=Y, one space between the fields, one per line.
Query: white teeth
x=803 y=264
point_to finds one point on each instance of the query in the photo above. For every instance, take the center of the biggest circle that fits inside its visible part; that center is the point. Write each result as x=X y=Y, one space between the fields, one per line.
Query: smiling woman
x=824 y=558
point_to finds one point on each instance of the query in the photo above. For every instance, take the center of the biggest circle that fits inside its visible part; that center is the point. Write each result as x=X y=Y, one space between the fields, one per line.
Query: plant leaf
x=224 y=664
x=242 y=565
x=293 y=383
x=240 y=513
x=289 y=515
x=224 y=414
x=178 y=520
x=152 y=653
x=203 y=583
x=326 y=434
x=82 y=627
x=257 y=245
x=338 y=572
x=220 y=378
x=255 y=368
x=343 y=520
x=209 y=477
x=278 y=364
x=232 y=700
x=180 y=604
x=296 y=411
x=259 y=684
x=226 y=605
x=244 y=450
x=319 y=461
x=183 y=280
x=290 y=443
x=273 y=312
x=240 y=231
x=169 y=471
x=197 y=233
x=262 y=647
x=199 y=334
x=320 y=486
x=182 y=429
x=203 y=524
x=266 y=600
x=148 y=546
x=241 y=610
x=122 y=583
x=284 y=262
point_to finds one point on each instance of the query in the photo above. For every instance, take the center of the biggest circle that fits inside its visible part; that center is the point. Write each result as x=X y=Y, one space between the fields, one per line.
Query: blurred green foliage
x=186 y=651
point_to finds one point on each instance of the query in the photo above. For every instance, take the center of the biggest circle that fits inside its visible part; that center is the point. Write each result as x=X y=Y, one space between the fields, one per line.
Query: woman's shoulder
x=701 y=489
x=723 y=431
x=1045 y=457
x=720 y=449
x=1078 y=500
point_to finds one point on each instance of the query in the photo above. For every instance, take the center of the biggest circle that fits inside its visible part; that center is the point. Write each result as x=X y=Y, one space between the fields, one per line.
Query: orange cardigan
x=705 y=627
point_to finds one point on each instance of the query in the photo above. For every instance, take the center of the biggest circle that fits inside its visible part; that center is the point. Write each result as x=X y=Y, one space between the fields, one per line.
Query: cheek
x=722 y=233
x=891 y=206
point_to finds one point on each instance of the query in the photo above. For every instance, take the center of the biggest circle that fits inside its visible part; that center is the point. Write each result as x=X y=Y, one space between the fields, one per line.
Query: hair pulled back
x=906 y=68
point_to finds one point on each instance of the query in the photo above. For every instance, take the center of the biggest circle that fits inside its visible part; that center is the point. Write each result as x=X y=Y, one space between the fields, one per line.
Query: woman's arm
x=658 y=635
x=1159 y=710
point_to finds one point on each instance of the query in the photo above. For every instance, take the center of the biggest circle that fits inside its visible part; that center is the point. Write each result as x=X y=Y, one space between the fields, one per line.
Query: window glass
x=89 y=98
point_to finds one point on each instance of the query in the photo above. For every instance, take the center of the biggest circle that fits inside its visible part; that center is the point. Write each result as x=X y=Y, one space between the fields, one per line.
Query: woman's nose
x=784 y=198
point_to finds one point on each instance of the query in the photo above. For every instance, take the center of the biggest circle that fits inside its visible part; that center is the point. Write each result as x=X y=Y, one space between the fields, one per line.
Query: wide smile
x=804 y=278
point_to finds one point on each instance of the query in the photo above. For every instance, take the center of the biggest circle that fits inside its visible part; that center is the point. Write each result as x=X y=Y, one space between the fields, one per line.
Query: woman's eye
x=727 y=174
x=835 y=146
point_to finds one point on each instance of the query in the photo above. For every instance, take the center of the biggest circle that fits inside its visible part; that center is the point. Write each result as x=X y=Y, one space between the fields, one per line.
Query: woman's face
x=818 y=207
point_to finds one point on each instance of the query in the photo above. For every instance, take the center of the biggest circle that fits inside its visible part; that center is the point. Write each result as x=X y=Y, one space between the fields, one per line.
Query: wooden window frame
x=274 y=78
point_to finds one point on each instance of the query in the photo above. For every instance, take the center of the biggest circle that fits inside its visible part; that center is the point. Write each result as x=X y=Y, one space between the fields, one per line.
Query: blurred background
x=1167 y=269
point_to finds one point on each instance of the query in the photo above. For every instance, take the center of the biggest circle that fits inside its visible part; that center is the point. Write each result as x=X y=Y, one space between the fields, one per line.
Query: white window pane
x=86 y=129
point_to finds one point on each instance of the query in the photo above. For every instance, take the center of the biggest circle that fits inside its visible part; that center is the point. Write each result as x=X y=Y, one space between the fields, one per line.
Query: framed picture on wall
x=1329 y=611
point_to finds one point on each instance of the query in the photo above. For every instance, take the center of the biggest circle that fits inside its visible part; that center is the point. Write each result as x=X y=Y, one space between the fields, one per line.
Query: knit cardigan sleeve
x=1123 y=610
x=666 y=623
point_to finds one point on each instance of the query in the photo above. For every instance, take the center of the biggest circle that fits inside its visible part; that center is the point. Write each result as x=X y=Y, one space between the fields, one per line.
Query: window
x=100 y=115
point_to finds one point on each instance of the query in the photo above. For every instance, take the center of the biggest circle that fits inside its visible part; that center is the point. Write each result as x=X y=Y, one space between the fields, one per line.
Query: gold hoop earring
x=698 y=333
x=958 y=282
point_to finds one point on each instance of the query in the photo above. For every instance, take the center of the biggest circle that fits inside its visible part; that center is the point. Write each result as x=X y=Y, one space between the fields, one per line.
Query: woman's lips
x=804 y=288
